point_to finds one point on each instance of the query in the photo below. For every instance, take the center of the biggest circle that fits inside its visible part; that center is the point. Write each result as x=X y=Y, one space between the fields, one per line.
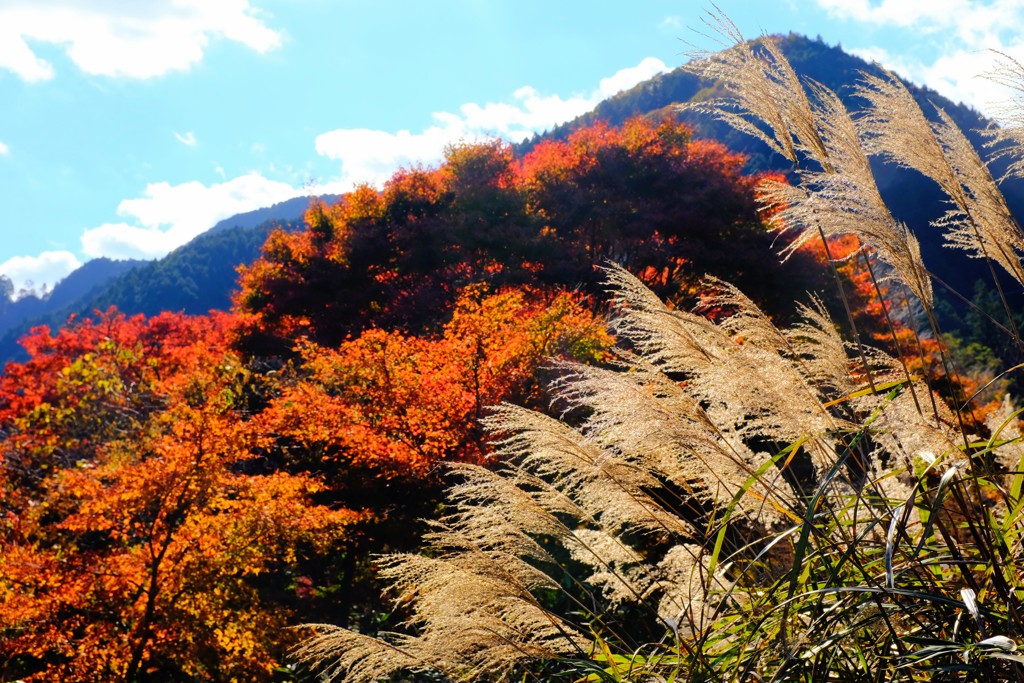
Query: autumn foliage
x=131 y=542
x=166 y=512
x=397 y=404
x=646 y=196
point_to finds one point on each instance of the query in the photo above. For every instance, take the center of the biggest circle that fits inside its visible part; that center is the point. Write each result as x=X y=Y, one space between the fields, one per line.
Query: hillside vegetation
x=911 y=197
x=177 y=284
x=177 y=489
x=194 y=279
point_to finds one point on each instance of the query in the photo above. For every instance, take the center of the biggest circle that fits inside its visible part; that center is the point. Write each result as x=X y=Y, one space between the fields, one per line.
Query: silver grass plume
x=1004 y=424
x=752 y=99
x=796 y=106
x=677 y=412
x=474 y=614
x=746 y=320
x=1007 y=138
x=764 y=100
x=617 y=570
x=502 y=515
x=843 y=198
x=906 y=434
x=473 y=610
x=841 y=195
x=653 y=422
x=611 y=490
x=671 y=340
x=907 y=443
x=823 y=353
x=612 y=501
x=895 y=128
x=338 y=654
x=754 y=387
x=491 y=512
x=984 y=227
x=689 y=592
x=979 y=222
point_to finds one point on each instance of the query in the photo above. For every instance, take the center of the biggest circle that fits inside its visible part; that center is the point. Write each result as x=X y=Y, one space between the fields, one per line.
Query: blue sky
x=130 y=126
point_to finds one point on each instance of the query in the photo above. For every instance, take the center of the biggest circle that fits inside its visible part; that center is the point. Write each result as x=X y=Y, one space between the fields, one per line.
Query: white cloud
x=188 y=138
x=4 y=149
x=17 y=56
x=129 y=39
x=922 y=14
x=627 y=78
x=974 y=22
x=957 y=75
x=34 y=272
x=373 y=155
x=895 y=63
x=971 y=20
x=125 y=241
x=168 y=216
x=960 y=35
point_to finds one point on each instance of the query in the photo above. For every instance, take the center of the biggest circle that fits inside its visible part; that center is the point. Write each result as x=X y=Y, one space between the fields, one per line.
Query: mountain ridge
x=194 y=278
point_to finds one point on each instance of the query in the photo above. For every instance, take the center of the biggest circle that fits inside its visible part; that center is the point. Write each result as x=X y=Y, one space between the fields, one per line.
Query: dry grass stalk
x=979 y=222
x=983 y=227
x=1007 y=138
x=839 y=195
x=754 y=86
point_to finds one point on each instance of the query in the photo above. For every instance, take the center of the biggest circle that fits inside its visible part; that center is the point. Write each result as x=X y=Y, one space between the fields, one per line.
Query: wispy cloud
x=368 y=155
x=672 y=24
x=4 y=149
x=624 y=79
x=126 y=39
x=188 y=138
x=971 y=21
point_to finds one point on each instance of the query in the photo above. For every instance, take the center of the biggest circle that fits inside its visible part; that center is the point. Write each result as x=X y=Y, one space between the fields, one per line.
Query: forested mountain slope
x=193 y=279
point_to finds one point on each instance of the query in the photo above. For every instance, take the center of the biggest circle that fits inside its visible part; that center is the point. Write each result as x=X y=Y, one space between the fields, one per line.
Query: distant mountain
x=83 y=281
x=195 y=278
x=811 y=58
